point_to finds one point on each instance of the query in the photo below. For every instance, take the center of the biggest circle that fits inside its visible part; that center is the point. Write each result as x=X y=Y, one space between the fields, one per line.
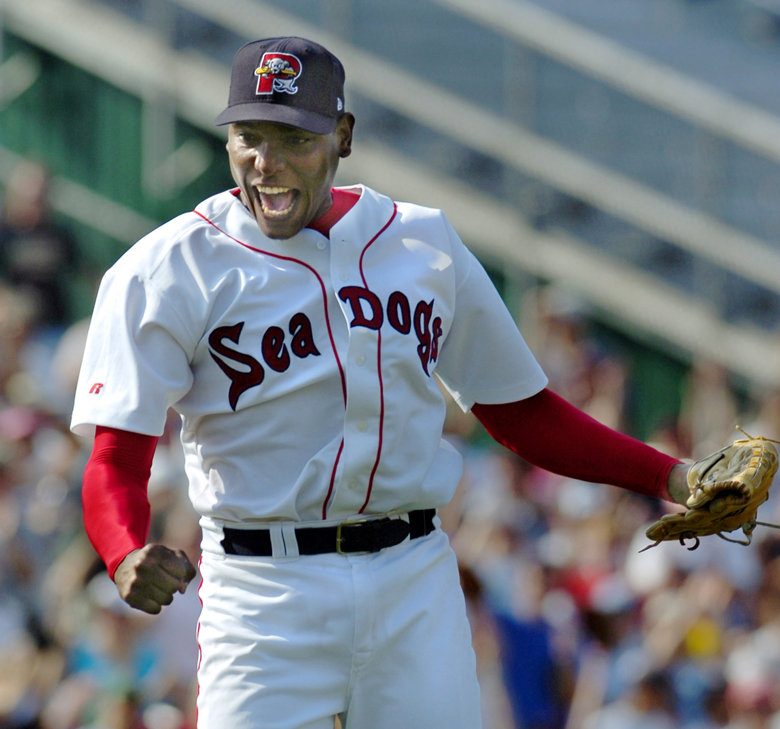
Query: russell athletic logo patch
x=278 y=72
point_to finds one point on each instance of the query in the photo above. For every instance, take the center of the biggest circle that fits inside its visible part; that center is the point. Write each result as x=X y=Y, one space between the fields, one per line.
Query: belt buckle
x=339 y=537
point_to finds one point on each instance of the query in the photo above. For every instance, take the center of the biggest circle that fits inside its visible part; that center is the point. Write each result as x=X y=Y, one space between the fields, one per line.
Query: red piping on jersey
x=332 y=481
x=319 y=279
x=378 y=368
x=197 y=640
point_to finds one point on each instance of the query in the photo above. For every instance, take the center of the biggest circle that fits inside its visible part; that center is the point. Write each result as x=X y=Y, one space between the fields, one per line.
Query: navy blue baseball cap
x=288 y=80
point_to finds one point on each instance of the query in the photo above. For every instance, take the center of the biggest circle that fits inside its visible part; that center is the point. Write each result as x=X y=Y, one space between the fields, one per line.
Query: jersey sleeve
x=484 y=357
x=136 y=359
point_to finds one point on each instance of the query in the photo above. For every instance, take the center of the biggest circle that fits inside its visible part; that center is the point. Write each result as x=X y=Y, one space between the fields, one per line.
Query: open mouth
x=276 y=202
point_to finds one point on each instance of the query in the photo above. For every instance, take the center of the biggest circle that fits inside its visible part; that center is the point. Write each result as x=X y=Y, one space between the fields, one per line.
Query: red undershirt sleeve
x=554 y=435
x=117 y=514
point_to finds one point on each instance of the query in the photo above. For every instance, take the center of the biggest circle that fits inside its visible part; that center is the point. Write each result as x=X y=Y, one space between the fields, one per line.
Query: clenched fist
x=149 y=577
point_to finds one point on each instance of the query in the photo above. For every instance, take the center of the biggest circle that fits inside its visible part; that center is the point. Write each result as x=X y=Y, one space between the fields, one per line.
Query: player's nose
x=268 y=158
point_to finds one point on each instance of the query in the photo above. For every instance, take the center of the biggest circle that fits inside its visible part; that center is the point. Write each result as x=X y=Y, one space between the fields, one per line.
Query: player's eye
x=247 y=137
x=298 y=141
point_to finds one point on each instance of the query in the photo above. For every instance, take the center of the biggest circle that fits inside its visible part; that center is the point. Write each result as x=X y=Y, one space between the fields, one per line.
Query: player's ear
x=344 y=129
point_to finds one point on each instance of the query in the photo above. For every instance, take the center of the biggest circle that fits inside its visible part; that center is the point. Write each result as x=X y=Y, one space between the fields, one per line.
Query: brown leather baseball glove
x=726 y=487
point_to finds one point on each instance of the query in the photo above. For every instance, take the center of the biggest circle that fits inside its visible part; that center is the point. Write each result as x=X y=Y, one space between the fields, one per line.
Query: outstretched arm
x=117 y=516
x=553 y=434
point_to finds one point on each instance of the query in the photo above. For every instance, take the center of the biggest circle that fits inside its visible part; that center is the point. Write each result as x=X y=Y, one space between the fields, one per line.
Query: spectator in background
x=710 y=409
x=36 y=255
x=18 y=314
x=558 y=324
x=650 y=705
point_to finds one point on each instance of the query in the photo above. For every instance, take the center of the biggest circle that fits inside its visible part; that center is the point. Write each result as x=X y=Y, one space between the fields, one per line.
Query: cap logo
x=278 y=72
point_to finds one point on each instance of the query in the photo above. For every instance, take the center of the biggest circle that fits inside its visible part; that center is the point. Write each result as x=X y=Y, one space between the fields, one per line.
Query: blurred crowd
x=579 y=622
x=72 y=653
x=574 y=626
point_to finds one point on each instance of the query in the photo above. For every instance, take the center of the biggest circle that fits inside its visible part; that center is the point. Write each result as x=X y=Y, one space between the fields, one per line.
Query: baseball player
x=297 y=330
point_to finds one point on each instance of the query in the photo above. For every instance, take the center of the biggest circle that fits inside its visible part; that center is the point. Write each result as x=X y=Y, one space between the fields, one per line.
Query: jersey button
x=363 y=427
x=360 y=359
x=343 y=276
x=321 y=244
x=353 y=484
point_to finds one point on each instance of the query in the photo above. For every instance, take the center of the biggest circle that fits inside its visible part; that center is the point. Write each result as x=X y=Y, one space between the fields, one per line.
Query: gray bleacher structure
x=626 y=150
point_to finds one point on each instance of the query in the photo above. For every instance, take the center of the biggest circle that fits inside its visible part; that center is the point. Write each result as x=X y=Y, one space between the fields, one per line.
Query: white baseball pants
x=380 y=639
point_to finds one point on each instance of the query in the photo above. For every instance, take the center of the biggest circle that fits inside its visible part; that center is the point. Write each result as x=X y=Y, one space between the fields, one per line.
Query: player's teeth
x=276 y=202
x=276 y=213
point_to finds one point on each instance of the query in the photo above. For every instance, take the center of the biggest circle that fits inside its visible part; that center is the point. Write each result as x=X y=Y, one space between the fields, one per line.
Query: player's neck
x=343 y=202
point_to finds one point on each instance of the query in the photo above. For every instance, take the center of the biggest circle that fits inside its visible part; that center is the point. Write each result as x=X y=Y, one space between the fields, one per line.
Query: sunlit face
x=286 y=174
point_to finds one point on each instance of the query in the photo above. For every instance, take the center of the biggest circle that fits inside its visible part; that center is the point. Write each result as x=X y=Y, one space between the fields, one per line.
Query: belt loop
x=290 y=540
x=284 y=545
x=278 y=548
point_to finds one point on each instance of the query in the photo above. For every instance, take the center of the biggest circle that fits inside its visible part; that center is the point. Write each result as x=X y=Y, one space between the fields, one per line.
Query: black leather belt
x=349 y=537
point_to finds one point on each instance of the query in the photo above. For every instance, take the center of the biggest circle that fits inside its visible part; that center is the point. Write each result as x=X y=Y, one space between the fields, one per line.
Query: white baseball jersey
x=302 y=368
